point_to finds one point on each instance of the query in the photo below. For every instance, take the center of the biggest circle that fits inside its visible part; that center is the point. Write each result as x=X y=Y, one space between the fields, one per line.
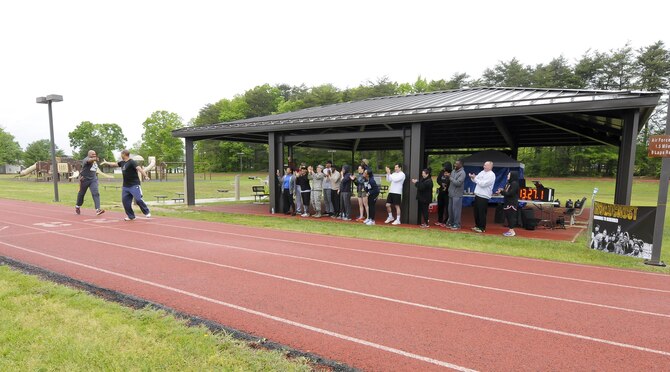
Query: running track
x=371 y=305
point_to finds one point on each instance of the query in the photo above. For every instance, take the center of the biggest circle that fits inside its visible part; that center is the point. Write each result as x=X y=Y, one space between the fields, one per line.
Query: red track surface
x=372 y=305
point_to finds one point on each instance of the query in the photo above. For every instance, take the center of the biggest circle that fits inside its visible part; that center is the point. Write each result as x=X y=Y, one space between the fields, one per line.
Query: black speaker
x=528 y=219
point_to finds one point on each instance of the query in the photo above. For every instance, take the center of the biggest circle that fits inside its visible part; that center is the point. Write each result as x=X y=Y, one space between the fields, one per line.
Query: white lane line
x=405 y=245
x=255 y=312
x=228 y=246
x=408 y=303
x=402 y=245
x=3 y=227
x=296 y=242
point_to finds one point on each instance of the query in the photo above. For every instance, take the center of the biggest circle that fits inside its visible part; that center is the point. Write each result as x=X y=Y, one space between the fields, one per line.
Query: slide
x=28 y=170
x=152 y=164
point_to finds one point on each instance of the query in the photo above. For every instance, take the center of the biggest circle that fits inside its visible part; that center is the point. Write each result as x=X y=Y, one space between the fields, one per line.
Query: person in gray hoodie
x=456 y=182
x=317 y=188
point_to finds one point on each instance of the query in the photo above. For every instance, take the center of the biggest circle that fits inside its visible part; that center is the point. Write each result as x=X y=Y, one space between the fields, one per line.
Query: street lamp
x=241 y=154
x=332 y=154
x=54 y=166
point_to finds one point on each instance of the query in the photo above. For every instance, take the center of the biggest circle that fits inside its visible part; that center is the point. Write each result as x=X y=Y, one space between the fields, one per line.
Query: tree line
x=626 y=68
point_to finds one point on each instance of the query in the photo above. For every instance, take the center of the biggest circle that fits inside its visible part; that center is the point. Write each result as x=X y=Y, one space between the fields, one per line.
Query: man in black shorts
x=397 y=179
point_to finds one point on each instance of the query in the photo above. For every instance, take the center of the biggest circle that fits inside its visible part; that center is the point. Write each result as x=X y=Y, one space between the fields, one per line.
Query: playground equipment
x=28 y=170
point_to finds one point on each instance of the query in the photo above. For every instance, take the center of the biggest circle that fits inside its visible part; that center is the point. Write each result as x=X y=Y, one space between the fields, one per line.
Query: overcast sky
x=119 y=61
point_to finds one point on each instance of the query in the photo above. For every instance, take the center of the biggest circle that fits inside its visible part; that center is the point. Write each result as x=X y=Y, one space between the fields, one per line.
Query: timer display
x=531 y=193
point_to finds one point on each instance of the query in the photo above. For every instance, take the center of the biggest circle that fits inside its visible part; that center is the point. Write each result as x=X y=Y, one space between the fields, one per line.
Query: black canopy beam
x=340 y=136
x=570 y=131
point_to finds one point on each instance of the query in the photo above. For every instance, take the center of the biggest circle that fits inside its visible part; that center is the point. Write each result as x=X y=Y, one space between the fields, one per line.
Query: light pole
x=241 y=154
x=332 y=155
x=54 y=166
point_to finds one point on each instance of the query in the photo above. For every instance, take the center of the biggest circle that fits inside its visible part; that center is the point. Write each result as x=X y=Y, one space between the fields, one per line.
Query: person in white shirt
x=483 y=190
x=397 y=179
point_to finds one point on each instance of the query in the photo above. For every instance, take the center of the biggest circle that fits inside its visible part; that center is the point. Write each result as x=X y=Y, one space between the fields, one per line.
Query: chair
x=576 y=210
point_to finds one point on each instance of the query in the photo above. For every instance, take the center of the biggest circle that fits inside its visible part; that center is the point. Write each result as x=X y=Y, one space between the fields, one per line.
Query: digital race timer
x=531 y=193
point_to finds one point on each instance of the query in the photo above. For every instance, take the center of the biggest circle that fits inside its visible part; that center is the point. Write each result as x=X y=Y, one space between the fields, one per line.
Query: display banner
x=623 y=229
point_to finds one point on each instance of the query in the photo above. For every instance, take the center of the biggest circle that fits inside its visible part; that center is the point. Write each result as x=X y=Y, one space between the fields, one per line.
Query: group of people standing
x=327 y=191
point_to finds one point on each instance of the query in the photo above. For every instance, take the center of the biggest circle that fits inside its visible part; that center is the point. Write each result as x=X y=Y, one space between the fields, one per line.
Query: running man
x=131 y=188
x=88 y=178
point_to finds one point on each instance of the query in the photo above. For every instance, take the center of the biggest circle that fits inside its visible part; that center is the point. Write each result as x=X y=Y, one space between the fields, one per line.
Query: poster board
x=622 y=229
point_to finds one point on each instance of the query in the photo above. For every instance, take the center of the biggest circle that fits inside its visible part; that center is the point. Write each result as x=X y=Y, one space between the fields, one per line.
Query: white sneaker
x=148 y=215
x=128 y=219
x=366 y=221
x=389 y=219
x=304 y=215
x=396 y=222
x=370 y=222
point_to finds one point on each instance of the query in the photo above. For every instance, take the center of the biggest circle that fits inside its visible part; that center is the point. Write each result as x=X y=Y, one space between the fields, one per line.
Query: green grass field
x=49 y=327
x=645 y=193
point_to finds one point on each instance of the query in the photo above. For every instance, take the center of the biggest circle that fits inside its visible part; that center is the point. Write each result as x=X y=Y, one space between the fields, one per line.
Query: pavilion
x=418 y=124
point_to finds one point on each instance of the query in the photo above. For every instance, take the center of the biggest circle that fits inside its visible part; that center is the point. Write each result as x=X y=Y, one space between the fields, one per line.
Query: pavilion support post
x=276 y=162
x=661 y=208
x=626 y=163
x=413 y=155
x=189 y=173
x=514 y=153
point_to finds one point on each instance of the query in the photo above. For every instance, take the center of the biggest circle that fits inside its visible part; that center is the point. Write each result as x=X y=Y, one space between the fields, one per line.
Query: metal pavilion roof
x=460 y=104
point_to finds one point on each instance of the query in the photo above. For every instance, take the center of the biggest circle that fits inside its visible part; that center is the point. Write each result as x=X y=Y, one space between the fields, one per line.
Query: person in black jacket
x=443 y=195
x=511 y=194
x=372 y=189
x=344 y=192
x=424 y=194
x=302 y=182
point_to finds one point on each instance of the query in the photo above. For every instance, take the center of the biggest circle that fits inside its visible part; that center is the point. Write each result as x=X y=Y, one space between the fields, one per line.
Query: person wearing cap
x=317 y=188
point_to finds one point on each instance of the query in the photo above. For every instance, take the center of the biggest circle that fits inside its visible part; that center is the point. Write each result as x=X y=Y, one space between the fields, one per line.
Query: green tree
x=262 y=100
x=103 y=138
x=381 y=88
x=39 y=150
x=10 y=150
x=653 y=66
x=556 y=74
x=620 y=68
x=590 y=70
x=322 y=95
x=157 y=139
x=230 y=110
x=508 y=74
